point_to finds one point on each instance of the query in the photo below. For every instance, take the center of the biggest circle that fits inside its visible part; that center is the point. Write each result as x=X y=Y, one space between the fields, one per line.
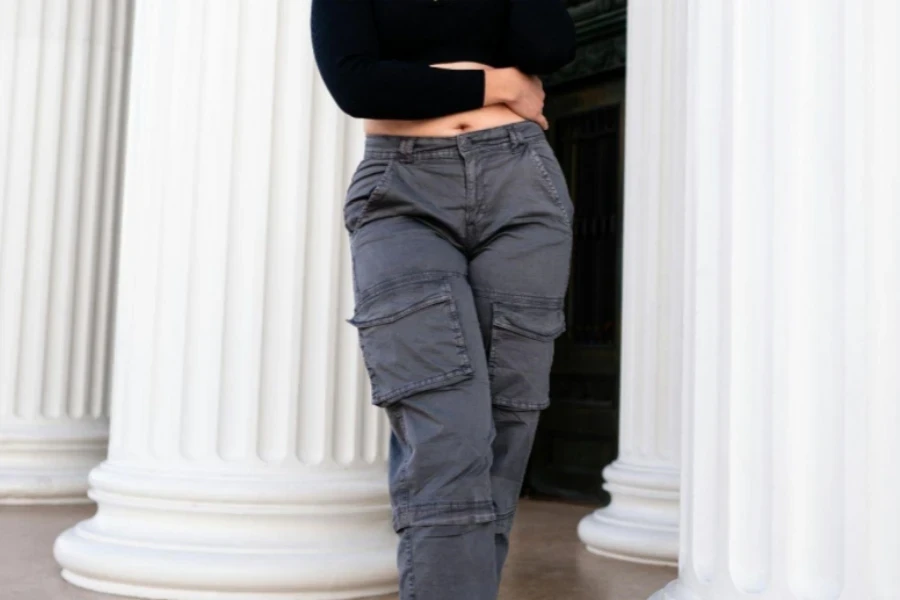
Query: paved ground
x=546 y=562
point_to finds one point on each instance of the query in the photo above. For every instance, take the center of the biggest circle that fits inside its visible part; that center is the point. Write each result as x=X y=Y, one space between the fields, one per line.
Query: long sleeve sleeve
x=541 y=35
x=346 y=50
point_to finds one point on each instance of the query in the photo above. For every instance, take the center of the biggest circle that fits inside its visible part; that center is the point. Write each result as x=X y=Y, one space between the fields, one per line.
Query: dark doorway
x=578 y=434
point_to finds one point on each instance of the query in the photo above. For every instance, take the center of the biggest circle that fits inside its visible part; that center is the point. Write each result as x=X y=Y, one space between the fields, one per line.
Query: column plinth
x=641 y=523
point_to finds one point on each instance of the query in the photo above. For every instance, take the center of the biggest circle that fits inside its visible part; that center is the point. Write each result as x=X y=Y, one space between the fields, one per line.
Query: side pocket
x=368 y=183
x=554 y=179
x=411 y=339
x=522 y=339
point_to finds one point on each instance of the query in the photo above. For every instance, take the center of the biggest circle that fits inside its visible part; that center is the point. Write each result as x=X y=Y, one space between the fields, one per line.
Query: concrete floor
x=546 y=561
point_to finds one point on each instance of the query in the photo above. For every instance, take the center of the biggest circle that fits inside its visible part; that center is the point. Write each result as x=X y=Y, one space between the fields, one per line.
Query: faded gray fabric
x=461 y=249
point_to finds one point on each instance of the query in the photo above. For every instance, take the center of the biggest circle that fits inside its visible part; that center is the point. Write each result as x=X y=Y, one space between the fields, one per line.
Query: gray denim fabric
x=461 y=248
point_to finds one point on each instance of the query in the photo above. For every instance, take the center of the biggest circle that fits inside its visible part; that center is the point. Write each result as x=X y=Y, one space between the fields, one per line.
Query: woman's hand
x=524 y=94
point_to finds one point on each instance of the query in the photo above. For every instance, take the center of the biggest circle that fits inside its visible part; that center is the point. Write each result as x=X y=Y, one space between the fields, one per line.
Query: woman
x=460 y=233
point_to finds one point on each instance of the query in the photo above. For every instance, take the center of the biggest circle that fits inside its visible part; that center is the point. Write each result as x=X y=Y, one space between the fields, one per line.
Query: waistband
x=410 y=146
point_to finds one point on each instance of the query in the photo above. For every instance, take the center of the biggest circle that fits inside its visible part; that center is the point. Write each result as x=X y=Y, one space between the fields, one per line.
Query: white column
x=792 y=386
x=641 y=522
x=62 y=90
x=245 y=459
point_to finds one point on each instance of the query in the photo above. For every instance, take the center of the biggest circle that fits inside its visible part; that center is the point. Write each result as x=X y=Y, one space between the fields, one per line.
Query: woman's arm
x=523 y=94
x=541 y=35
x=345 y=45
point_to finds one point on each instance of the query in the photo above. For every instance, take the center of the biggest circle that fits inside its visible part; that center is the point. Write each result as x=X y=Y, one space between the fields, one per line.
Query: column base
x=674 y=591
x=251 y=537
x=44 y=486
x=111 y=567
x=641 y=523
x=49 y=464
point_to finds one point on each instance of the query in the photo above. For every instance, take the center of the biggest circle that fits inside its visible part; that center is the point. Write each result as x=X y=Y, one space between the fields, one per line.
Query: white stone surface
x=245 y=459
x=792 y=342
x=62 y=95
x=641 y=522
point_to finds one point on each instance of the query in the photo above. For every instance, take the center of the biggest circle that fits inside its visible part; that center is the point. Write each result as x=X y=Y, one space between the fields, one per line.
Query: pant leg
x=519 y=278
x=420 y=337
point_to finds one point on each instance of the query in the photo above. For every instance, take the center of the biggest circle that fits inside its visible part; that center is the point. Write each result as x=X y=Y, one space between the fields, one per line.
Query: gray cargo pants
x=461 y=248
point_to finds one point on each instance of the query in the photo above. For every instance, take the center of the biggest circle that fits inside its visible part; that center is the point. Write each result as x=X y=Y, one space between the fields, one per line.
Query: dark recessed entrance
x=578 y=434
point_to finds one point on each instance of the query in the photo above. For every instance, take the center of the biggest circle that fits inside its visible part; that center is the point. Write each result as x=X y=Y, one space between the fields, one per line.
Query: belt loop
x=406 y=148
x=515 y=137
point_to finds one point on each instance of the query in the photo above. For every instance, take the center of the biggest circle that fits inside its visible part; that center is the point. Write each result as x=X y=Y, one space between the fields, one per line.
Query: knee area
x=443 y=481
x=515 y=434
x=450 y=454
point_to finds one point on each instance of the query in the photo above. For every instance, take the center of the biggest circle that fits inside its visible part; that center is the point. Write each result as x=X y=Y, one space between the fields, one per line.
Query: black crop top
x=374 y=55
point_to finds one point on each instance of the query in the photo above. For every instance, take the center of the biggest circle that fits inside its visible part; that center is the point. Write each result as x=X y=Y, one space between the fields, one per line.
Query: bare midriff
x=492 y=115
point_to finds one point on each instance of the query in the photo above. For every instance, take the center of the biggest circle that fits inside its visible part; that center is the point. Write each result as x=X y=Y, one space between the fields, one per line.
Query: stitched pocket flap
x=386 y=306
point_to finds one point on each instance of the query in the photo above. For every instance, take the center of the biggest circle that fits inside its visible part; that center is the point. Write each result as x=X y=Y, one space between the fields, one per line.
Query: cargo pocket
x=411 y=339
x=521 y=354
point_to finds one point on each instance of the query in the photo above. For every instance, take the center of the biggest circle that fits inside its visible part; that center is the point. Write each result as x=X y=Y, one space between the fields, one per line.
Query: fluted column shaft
x=245 y=459
x=63 y=67
x=641 y=522
x=791 y=385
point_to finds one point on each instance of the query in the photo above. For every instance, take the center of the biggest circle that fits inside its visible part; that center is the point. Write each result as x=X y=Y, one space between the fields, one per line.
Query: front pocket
x=522 y=339
x=411 y=339
x=551 y=174
x=368 y=183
